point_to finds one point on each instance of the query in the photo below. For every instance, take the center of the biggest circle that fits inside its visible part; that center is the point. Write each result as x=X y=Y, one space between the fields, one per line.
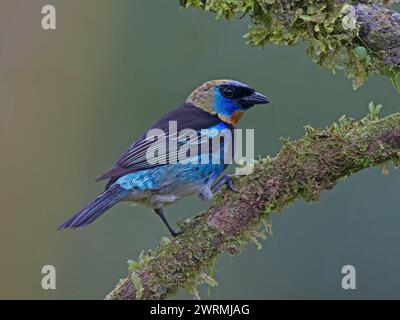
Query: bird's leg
x=206 y=193
x=225 y=180
x=160 y=213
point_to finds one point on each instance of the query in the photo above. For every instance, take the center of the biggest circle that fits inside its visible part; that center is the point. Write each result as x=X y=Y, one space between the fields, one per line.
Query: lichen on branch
x=360 y=37
x=302 y=169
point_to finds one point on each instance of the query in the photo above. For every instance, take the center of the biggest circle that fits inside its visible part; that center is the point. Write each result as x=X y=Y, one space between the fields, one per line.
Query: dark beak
x=255 y=98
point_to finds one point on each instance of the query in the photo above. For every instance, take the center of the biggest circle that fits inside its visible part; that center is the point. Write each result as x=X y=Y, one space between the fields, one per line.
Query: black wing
x=187 y=116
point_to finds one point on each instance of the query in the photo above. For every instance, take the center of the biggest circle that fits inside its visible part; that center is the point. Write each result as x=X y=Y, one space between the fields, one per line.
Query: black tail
x=96 y=208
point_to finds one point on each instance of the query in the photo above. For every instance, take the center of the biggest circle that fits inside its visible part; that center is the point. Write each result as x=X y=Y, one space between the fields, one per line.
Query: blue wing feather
x=187 y=116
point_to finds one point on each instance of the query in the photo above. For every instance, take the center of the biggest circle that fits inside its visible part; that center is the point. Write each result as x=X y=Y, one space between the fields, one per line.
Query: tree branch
x=360 y=37
x=302 y=169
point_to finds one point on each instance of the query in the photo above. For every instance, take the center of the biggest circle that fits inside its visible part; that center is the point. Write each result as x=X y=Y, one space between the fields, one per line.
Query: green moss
x=303 y=168
x=329 y=27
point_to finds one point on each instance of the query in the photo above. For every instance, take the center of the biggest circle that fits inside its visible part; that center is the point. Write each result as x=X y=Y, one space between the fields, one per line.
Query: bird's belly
x=150 y=199
x=163 y=185
x=162 y=197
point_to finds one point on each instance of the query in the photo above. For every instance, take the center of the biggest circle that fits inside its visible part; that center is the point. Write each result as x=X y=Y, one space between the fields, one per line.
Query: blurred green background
x=72 y=99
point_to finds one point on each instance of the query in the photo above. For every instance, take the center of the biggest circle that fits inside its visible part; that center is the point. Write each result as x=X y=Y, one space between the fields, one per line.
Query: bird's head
x=228 y=99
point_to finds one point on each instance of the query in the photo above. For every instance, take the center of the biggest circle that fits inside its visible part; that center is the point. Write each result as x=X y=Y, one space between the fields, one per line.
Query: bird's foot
x=160 y=213
x=175 y=233
x=225 y=180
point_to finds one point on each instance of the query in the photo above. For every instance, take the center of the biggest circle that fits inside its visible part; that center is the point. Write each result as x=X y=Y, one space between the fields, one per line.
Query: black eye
x=235 y=92
x=228 y=91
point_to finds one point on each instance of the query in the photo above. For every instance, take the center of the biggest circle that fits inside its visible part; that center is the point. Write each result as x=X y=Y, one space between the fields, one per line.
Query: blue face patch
x=224 y=106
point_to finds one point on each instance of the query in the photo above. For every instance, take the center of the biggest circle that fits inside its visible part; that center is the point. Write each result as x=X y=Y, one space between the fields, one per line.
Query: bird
x=215 y=106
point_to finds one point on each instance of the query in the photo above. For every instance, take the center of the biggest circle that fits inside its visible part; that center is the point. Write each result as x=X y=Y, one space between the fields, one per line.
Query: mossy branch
x=302 y=169
x=360 y=37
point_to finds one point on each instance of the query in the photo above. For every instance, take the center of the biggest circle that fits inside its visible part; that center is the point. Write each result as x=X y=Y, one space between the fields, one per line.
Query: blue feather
x=224 y=106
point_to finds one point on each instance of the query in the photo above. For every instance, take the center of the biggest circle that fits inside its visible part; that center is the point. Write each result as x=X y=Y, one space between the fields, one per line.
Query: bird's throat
x=233 y=119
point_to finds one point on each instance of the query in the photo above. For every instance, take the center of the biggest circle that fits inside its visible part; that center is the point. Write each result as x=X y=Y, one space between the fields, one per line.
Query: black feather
x=96 y=208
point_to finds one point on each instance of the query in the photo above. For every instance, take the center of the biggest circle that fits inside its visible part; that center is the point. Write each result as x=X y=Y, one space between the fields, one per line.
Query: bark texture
x=302 y=169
